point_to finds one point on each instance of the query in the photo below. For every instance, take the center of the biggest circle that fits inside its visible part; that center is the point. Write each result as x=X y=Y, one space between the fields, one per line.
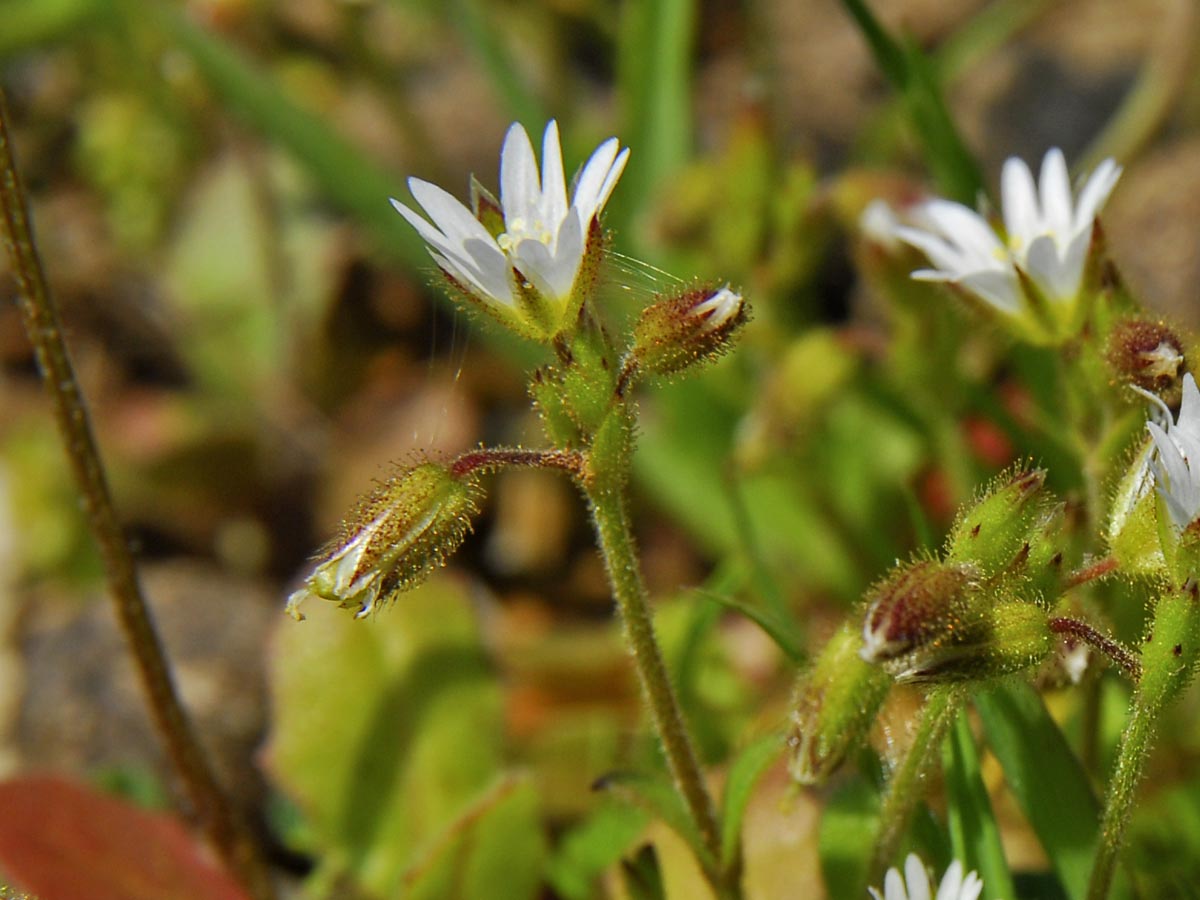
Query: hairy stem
x=225 y=829
x=624 y=572
x=1113 y=649
x=1169 y=657
x=909 y=782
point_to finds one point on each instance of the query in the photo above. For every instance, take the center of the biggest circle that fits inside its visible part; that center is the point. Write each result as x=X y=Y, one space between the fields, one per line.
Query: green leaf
x=342 y=172
x=385 y=730
x=657 y=796
x=493 y=851
x=485 y=40
x=974 y=836
x=744 y=772
x=1045 y=777
x=850 y=818
x=654 y=69
x=914 y=78
x=592 y=847
x=643 y=876
x=782 y=631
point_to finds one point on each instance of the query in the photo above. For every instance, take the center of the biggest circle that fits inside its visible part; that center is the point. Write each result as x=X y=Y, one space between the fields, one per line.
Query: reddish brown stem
x=225 y=828
x=1114 y=650
x=1092 y=571
x=491 y=459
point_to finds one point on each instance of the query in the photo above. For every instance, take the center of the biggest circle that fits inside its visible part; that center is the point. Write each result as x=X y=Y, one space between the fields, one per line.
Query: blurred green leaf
x=654 y=73
x=31 y=23
x=913 y=76
x=850 y=818
x=591 y=847
x=385 y=730
x=747 y=767
x=642 y=875
x=493 y=851
x=1038 y=765
x=657 y=796
x=342 y=172
x=974 y=835
x=472 y=19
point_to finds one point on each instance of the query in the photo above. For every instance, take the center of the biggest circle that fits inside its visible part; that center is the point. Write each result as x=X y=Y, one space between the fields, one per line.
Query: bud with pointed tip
x=836 y=702
x=681 y=331
x=393 y=539
x=997 y=528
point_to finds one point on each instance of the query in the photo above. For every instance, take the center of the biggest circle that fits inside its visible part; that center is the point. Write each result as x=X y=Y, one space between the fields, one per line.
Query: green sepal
x=836 y=702
x=996 y=529
x=1133 y=524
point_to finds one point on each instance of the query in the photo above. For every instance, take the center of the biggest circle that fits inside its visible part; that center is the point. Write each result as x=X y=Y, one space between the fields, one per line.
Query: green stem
x=1169 y=656
x=225 y=828
x=908 y=783
x=607 y=499
x=1121 y=792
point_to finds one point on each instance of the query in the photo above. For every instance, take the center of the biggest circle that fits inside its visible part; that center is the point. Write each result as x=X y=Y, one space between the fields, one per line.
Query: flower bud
x=997 y=528
x=836 y=702
x=1133 y=534
x=935 y=622
x=697 y=326
x=917 y=607
x=1148 y=355
x=394 y=538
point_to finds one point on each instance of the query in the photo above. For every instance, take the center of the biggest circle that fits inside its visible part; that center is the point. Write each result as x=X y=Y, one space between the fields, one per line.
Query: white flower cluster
x=915 y=885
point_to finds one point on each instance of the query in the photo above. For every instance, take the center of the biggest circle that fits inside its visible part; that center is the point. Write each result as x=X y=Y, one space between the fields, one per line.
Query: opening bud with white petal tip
x=1148 y=355
x=688 y=329
x=836 y=702
x=938 y=622
x=395 y=536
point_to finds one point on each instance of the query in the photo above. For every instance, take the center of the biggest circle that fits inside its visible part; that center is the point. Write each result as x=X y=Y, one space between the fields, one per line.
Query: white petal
x=554 y=182
x=917 y=877
x=971 y=888
x=1055 y=187
x=1022 y=217
x=1189 y=410
x=893 y=886
x=610 y=180
x=492 y=267
x=592 y=179
x=520 y=191
x=998 y=288
x=1095 y=192
x=951 y=882
x=1046 y=269
x=967 y=229
x=455 y=221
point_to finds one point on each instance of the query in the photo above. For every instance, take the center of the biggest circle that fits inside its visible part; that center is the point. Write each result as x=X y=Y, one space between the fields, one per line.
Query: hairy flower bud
x=1148 y=355
x=678 y=332
x=836 y=702
x=936 y=622
x=395 y=536
x=993 y=532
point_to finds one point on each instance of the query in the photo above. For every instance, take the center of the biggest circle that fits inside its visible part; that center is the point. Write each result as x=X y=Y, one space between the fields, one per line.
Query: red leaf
x=64 y=841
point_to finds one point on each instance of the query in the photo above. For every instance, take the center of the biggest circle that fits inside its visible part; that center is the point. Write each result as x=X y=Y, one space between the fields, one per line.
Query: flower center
x=521 y=230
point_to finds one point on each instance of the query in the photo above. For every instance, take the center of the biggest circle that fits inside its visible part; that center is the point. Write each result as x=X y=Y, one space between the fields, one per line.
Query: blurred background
x=258 y=339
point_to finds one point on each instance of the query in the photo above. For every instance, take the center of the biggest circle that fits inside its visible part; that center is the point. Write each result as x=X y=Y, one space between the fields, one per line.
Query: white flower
x=953 y=887
x=1047 y=235
x=544 y=237
x=1176 y=465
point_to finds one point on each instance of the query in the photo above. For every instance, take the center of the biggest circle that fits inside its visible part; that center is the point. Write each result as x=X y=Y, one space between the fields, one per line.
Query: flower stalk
x=906 y=787
x=605 y=493
x=221 y=821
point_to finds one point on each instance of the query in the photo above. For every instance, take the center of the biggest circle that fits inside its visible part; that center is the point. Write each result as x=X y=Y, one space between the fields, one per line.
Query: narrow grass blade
x=974 y=835
x=1045 y=777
